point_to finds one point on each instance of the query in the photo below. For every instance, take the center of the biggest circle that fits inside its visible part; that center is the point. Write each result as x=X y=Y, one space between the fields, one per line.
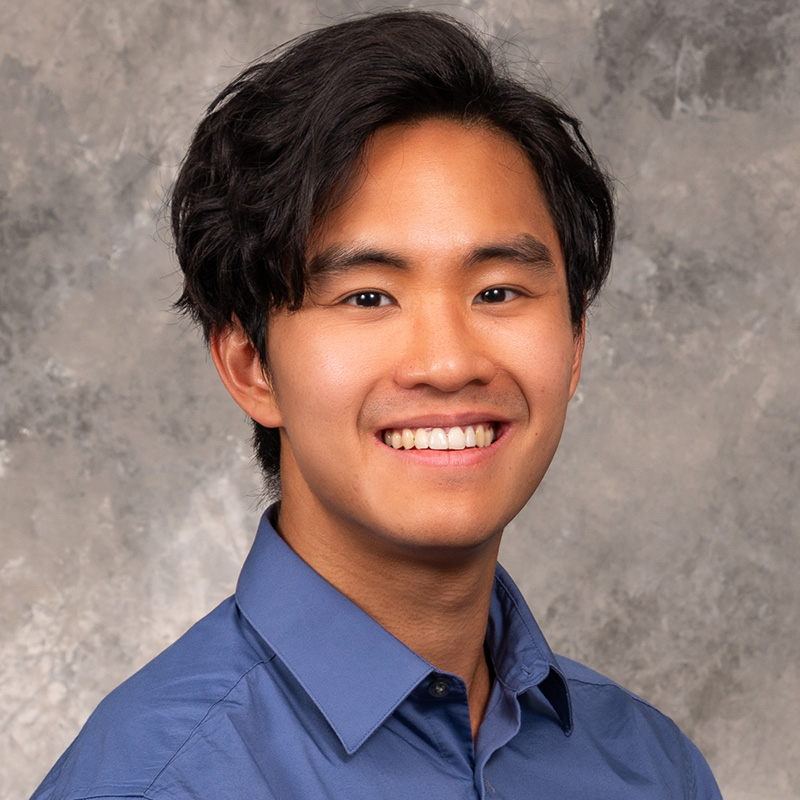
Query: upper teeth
x=454 y=438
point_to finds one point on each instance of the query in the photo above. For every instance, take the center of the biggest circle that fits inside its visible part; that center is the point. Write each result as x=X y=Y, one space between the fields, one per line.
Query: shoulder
x=593 y=695
x=607 y=712
x=139 y=728
x=600 y=701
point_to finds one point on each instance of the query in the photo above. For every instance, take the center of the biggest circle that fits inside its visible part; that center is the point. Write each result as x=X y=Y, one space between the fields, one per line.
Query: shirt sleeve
x=705 y=785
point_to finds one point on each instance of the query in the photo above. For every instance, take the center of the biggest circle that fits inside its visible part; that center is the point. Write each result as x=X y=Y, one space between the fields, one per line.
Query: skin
x=441 y=300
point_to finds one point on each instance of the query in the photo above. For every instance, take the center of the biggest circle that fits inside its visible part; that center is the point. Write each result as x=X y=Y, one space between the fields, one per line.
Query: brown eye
x=497 y=294
x=367 y=299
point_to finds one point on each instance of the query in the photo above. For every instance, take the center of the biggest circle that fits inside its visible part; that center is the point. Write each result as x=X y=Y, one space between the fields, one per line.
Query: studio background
x=661 y=549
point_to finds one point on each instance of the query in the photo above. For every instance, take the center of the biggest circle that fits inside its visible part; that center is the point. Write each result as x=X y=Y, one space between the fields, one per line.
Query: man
x=390 y=246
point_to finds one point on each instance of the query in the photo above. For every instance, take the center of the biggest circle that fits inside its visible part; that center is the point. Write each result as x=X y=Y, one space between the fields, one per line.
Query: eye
x=368 y=299
x=497 y=294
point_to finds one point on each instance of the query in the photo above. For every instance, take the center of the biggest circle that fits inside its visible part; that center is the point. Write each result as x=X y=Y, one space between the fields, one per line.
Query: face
x=439 y=315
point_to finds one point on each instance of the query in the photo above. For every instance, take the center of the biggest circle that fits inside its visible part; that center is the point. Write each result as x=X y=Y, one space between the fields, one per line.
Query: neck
x=435 y=602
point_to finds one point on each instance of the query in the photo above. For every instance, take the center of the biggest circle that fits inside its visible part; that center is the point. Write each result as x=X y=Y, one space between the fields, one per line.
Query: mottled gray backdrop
x=662 y=548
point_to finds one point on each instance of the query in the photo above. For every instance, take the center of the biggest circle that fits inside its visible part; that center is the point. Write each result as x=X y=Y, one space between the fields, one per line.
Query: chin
x=448 y=533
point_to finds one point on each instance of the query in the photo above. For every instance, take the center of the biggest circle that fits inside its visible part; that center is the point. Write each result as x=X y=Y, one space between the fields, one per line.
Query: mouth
x=445 y=438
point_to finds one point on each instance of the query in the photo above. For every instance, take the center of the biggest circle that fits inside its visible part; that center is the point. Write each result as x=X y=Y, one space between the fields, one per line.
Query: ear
x=578 y=341
x=240 y=369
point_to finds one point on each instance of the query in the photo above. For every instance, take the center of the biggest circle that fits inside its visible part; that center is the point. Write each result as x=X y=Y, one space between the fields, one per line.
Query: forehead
x=439 y=186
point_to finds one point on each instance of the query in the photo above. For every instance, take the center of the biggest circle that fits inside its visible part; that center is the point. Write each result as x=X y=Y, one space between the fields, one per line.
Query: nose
x=443 y=348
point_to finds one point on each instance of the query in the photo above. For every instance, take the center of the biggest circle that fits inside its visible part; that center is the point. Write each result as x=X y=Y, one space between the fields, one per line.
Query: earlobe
x=241 y=372
x=579 y=339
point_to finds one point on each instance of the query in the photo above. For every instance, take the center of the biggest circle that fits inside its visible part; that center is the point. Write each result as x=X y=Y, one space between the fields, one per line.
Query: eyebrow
x=338 y=258
x=523 y=249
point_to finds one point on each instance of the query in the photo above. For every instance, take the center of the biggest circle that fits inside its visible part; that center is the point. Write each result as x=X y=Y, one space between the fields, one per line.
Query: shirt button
x=439 y=687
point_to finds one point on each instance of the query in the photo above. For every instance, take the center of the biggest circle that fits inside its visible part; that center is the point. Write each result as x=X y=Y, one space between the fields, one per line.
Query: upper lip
x=444 y=420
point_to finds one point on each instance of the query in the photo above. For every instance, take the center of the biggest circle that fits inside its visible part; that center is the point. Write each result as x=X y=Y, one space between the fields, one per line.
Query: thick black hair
x=277 y=147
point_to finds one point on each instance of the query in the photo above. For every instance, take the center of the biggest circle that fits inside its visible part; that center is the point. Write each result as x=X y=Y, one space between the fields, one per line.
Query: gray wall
x=662 y=548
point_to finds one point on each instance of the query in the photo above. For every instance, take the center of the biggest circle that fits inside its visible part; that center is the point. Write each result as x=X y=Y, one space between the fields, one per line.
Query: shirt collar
x=352 y=668
x=522 y=658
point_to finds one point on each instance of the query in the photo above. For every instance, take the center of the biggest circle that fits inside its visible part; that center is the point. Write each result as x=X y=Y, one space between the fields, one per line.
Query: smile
x=453 y=438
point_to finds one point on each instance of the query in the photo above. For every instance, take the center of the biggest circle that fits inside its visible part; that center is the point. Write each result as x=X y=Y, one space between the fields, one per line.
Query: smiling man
x=390 y=246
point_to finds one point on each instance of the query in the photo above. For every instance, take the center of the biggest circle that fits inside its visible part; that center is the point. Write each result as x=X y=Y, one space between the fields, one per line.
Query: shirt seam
x=615 y=685
x=688 y=770
x=117 y=796
x=182 y=745
x=115 y=793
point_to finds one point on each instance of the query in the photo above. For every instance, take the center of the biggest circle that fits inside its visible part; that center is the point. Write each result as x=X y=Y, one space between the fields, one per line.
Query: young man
x=390 y=246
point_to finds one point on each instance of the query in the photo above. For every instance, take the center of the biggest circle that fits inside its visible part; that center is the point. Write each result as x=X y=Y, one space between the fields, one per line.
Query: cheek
x=542 y=358
x=320 y=375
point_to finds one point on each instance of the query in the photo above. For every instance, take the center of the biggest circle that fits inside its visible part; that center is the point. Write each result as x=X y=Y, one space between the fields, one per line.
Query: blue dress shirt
x=290 y=691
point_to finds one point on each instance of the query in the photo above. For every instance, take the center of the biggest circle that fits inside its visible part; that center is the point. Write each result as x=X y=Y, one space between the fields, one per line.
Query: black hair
x=278 y=146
